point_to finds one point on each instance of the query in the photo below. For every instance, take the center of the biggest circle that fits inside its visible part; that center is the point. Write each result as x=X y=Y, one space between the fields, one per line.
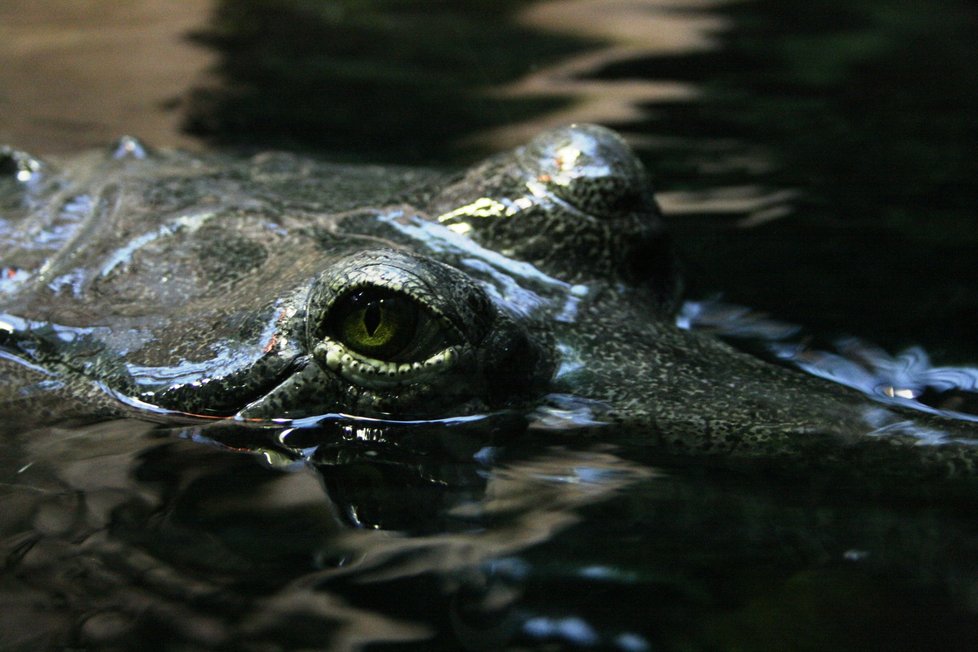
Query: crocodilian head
x=400 y=334
x=391 y=334
x=372 y=322
x=431 y=326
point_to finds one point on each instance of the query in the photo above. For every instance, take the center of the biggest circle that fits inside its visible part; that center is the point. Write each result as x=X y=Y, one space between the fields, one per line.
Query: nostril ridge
x=589 y=167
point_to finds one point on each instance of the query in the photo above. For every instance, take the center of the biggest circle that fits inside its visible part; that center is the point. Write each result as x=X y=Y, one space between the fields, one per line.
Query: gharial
x=170 y=284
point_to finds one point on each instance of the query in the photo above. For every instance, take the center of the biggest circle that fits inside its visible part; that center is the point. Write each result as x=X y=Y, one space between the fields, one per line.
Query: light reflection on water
x=630 y=31
x=545 y=539
x=141 y=532
x=907 y=378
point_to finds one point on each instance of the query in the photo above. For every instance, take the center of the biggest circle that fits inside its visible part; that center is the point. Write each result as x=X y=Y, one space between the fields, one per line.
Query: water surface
x=815 y=161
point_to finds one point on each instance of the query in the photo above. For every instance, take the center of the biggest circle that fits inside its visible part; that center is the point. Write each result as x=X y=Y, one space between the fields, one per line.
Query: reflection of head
x=377 y=486
x=396 y=475
x=166 y=513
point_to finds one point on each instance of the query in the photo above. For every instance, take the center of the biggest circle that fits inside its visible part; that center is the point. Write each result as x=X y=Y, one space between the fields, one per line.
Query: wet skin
x=165 y=284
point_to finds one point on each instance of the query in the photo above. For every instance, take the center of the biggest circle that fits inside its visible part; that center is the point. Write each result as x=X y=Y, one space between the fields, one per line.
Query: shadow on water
x=379 y=81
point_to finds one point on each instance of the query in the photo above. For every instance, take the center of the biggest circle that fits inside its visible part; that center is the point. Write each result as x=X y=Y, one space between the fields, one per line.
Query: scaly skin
x=217 y=287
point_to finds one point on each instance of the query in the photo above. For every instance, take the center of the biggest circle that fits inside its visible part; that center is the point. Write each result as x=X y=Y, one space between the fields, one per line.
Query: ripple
x=908 y=378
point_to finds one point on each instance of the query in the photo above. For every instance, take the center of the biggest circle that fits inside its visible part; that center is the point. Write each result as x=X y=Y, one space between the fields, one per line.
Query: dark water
x=815 y=160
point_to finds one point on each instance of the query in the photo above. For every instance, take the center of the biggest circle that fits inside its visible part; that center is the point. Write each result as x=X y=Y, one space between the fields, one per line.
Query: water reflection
x=908 y=378
x=383 y=80
x=626 y=31
x=853 y=151
x=142 y=533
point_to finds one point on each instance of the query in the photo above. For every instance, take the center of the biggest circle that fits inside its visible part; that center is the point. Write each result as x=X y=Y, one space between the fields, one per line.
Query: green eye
x=377 y=323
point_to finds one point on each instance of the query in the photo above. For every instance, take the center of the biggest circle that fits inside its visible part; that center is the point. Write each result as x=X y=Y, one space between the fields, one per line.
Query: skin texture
x=173 y=285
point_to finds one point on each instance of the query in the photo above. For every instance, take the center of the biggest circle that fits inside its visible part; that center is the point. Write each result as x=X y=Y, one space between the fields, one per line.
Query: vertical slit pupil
x=371 y=317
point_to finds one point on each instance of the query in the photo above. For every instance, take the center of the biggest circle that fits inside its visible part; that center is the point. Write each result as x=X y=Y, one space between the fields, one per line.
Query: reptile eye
x=380 y=320
x=385 y=325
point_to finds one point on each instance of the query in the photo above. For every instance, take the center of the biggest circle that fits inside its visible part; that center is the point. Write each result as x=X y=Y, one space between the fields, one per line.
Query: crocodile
x=170 y=285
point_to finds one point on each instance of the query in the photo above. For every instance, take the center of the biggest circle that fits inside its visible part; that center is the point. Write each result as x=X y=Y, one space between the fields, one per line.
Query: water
x=815 y=162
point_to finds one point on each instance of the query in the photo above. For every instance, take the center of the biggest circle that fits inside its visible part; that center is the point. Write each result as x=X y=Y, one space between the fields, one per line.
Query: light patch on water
x=924 y=436
x=486 y=455
x=133 y=402
x=278 y=460
x=510 y=568
x=226 y=357
x=901 y=379
x=570 y=361
x=53 y=237
x=12 y=323
x=631 y=642
x=443 y=240
x=41 y=388
x=59 y=232
x=567 y=412
x=608 y=573
x=579 y=632
x=592 y=475
x=129 y=147
x=733 y=321
x=568 y=313
x=189 y=372
x=885 y=424
x=584 y=475
x=78 y=206
x=855 y=555
x=320 y=419
x=628 y=31
x=573 y=629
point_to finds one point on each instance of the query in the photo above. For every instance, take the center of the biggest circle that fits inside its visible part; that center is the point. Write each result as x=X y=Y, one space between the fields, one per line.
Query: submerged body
x=277 y=287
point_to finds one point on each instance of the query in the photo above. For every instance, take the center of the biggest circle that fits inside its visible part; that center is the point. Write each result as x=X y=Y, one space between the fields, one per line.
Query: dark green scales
x=169 y=284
